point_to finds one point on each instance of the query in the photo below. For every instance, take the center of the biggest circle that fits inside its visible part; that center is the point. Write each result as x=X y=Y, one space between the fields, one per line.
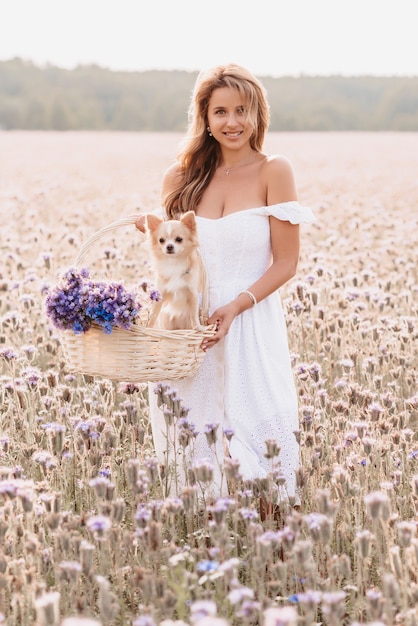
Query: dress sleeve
x=291 y=212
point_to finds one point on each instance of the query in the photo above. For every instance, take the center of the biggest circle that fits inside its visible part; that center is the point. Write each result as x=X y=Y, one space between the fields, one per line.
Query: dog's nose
x=170 y=248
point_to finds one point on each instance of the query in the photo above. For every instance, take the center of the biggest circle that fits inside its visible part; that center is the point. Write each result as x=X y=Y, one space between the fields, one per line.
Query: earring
x=208 y=129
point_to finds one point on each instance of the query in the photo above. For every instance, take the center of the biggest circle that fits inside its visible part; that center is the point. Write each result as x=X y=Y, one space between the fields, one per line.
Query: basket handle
x=129 y=220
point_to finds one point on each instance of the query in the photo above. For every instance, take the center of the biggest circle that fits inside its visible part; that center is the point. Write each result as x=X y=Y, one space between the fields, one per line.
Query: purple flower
x=78 y=303
x=99 y=524
x=201 y=609
x=248 y=514
x=240 y=594
x=186 y=431
x=210 y=432
x=229 y=433
x=311 y=597
x=142 y=516
x=32 y=375
x=203 y=470
x=8 y=354
x=155 y=295
x=249 y=611
x=220 y=509
x=54 y=427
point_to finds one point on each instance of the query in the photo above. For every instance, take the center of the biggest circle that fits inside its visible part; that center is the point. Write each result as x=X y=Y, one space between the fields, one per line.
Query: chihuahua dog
x=179 y=271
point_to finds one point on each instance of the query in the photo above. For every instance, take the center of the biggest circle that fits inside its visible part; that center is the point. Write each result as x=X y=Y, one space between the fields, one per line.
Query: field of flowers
x=87 y=535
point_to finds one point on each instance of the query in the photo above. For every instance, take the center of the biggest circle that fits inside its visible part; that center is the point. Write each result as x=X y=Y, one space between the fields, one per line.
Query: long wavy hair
x=201 y=154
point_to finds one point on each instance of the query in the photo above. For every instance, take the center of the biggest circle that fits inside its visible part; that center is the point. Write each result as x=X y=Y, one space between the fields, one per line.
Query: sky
x=269 y=37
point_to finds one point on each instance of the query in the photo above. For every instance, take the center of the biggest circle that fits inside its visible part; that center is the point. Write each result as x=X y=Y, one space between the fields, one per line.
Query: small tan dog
x=180 y=275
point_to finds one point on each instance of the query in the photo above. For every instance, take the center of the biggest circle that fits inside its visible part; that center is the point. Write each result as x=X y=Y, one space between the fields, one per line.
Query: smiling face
x=228 y=118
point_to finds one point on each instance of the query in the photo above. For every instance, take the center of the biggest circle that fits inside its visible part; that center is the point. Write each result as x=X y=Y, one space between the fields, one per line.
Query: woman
x=247 y=213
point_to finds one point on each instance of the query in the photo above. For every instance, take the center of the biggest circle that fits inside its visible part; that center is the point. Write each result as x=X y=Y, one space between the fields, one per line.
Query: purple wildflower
x=99 y=524
x=240 y=594
x=210 y=432
x=186 y=431
x=154 y=295
x=8 y=354
x=142 y=516
x=203 y=470
x=229 y=433
x=32 y=376
x=201 y=609
x=223 y=504
x=53 y=427
x=310 y=598
x=248 y=514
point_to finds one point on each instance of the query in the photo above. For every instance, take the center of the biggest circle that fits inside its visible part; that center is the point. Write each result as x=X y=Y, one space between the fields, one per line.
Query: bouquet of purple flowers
x=79 y=302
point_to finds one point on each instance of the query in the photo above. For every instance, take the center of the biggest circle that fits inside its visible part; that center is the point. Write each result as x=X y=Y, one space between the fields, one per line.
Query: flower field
x=88 y=536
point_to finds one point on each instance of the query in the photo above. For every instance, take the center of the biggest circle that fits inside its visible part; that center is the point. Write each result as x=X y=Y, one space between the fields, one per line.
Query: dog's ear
x=152 y=222
x=188 y=219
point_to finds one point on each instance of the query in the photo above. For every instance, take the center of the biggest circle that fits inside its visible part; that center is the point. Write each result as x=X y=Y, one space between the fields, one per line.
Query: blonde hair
x=200 y=155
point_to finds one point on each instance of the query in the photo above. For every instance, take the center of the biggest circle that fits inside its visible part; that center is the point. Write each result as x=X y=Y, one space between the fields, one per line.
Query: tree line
x=96 y=98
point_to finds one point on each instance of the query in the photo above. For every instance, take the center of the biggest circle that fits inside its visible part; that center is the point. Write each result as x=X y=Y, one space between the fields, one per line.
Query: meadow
x=87 y=535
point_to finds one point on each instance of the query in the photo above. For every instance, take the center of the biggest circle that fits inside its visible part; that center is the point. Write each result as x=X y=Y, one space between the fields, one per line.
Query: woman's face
x=228 y=119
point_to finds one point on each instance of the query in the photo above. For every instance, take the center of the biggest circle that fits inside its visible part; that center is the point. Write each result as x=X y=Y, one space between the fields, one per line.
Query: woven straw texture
x=139 y=354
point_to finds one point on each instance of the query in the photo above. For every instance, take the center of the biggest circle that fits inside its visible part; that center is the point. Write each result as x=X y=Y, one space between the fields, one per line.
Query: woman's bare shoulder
x=279 y=179
x=278 y=164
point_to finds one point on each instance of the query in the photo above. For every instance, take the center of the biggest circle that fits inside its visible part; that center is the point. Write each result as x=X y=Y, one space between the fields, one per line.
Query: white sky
x=269 y=37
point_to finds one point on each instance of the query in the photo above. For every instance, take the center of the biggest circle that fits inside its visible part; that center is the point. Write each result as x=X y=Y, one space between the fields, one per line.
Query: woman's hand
x=223 y=318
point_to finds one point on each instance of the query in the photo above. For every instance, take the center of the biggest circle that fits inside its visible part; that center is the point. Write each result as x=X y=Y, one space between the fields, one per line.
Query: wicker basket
x=139 y=354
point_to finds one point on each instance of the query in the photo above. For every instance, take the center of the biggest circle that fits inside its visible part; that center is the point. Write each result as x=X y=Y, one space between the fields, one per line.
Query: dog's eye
x=179 y=239
x=161 y=240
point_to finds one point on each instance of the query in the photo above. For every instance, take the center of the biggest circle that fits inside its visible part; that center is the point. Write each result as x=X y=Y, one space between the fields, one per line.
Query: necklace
x=236 y=167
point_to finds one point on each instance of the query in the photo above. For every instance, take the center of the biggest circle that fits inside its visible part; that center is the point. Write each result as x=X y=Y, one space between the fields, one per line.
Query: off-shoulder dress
x=246 y=381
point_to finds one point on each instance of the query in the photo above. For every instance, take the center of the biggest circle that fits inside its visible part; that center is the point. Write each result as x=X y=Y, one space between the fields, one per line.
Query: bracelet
x=250 y=295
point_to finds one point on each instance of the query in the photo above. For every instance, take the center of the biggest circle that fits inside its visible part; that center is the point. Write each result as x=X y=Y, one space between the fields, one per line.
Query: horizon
x=46 y=65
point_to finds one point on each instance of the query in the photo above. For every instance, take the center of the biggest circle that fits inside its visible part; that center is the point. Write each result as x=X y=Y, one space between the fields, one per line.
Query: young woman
x=247 y=213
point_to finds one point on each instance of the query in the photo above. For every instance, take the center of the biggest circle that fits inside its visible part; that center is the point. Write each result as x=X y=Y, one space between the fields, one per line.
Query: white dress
x=246 y=381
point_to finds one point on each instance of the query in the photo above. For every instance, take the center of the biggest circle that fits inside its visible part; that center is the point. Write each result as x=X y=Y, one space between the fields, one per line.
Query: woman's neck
x=233 y=161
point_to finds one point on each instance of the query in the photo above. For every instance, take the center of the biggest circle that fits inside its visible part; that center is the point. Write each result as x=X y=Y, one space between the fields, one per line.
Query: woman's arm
x=280 y=183
x=284 y=237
